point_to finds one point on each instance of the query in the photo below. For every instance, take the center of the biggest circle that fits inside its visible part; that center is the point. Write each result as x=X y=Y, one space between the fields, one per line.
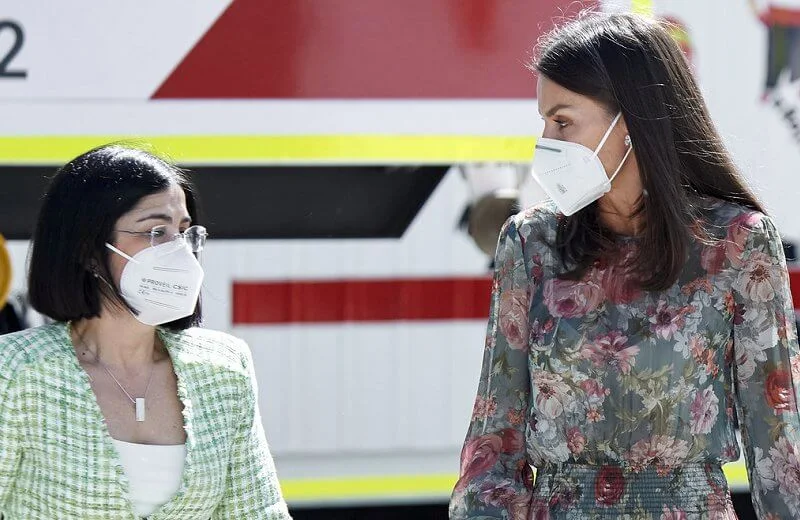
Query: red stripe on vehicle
x=794 y=283
x=267 y=303
x=782 y=17
x=282 y=302
x=367 y=49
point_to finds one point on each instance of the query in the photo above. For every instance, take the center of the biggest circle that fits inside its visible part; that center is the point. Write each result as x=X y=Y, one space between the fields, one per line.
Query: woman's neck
x=618 y=208
x=117 y=340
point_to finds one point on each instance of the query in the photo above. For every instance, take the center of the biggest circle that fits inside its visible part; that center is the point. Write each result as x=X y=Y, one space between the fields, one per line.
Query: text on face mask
x=167 y=285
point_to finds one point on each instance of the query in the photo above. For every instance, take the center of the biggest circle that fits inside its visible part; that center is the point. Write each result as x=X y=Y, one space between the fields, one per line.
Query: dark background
x=242 y=201
x=741 y=502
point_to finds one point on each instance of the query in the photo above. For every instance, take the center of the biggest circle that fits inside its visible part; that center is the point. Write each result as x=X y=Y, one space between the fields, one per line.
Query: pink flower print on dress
x=703 y=356
x=786 y=327
x=537 y=270
x=539 y=510
x=731 y=452
x=479 y=455
x=551 y=393
x=738 y=231
x=732 y=309
x=780 y=391
x=538 y=331
x=663 y=451
x=497 y=494
x=758 y=278
x=611 y=350
x=719 y=508
x=704 y=410
x=609 y=485
x=570 y=299
x=576 y=442
x=796 y=367
x=512 y=440
x=698 y=284
x=513 y=316
x=483 y=408
x=618 y=285
x=665 y=320
x=515 y=417
x=713 y=257
x=594 y=389
x=594 y=415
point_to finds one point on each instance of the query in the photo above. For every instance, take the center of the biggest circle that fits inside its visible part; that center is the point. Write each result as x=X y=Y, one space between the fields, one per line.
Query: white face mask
x=161 y=282
x=571 y=174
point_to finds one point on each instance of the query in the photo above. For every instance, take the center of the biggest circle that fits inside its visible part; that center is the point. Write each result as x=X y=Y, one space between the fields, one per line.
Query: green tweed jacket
x=58 y=461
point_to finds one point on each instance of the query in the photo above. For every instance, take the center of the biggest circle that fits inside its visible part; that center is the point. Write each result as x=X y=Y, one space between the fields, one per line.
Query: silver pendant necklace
x=138 y=402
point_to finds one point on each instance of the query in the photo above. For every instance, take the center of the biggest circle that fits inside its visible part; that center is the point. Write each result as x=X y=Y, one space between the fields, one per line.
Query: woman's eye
x=561 y=123
x=158 y=232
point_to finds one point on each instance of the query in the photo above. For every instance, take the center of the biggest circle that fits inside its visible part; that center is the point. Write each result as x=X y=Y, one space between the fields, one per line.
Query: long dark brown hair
x=630 y=63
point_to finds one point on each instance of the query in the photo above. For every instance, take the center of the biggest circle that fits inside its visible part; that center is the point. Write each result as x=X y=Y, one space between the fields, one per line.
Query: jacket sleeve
x=495 y=475
x=767 y=367
x=10 y=437
x=252 y=491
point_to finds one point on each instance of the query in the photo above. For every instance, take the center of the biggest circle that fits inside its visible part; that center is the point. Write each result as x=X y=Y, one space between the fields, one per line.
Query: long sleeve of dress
x=10 y=449
x=252 y=491
x=767 y=366
x=495 y=475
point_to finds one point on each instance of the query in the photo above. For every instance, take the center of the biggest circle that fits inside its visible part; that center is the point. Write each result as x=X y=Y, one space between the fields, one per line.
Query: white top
x=154 y=473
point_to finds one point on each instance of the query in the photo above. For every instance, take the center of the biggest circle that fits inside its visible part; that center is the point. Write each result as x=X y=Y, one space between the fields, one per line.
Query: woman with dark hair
x=639 y=313
x=123 y=409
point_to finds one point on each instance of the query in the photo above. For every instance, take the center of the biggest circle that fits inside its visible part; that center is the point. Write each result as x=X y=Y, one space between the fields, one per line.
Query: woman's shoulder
x=28 y=347
x=723 y=213
x=540 y=220
x=215 y=349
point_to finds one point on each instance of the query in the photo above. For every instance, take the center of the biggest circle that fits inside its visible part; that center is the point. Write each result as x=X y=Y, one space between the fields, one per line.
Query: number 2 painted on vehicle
x=19 y=38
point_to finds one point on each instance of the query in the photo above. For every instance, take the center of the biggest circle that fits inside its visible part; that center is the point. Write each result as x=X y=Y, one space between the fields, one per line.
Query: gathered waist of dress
x=611 y=489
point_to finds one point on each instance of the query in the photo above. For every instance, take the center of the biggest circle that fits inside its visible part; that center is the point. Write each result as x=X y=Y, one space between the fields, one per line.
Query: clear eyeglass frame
x=194 y=237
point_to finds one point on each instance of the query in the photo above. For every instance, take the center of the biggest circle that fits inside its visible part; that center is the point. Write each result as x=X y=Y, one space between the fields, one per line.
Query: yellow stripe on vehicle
x=736 y=473
x=271 y=149
x=365 y=488
x=417 y=486
x=643 y=7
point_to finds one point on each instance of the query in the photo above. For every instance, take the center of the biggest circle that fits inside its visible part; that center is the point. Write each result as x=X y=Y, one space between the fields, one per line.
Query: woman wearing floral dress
x=638 y=315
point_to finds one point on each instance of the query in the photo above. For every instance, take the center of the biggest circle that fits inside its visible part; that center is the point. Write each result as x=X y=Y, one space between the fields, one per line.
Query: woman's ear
x=93 y=267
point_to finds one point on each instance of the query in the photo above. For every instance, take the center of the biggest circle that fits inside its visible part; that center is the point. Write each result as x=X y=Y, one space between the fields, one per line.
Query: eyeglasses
x=194 y=237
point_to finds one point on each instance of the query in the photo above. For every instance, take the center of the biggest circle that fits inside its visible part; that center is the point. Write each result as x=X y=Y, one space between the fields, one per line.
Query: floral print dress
x=626 y=401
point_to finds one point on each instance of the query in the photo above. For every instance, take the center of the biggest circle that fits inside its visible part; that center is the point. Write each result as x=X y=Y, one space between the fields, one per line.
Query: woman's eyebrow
x=164 y=217
x=156 y=216
x=556 y=108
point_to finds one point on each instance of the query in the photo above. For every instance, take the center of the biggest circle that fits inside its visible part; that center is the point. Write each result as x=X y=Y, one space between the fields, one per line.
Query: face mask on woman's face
x=571 y=174
x=161 y=282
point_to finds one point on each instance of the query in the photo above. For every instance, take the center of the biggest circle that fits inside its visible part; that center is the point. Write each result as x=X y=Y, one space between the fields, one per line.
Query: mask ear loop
x=121 y=253
x=608 y=133
x=130 y=259
x=621 y=164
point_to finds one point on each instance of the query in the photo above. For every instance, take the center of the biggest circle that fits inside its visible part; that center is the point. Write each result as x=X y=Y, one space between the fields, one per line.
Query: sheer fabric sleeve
x=767 y=367
x=495 y=476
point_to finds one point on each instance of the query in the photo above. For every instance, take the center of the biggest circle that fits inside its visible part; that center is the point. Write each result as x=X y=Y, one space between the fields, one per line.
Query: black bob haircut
x=85 y=199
